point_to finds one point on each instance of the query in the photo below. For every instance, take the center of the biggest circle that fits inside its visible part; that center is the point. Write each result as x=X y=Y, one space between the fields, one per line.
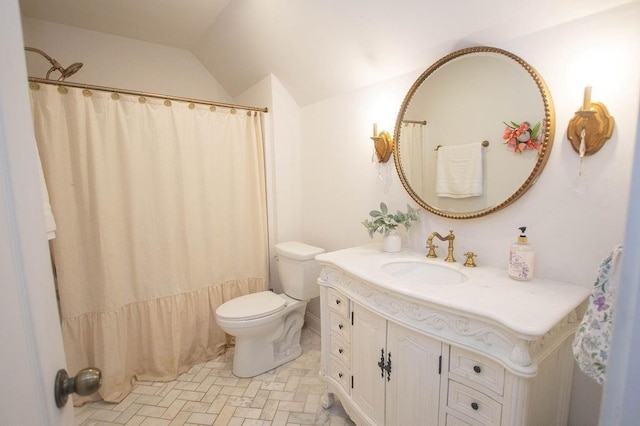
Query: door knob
x=86 y=382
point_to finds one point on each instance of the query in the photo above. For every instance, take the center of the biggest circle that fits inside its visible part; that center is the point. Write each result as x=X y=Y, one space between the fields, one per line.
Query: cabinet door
x=413 y=390
x=368 y=340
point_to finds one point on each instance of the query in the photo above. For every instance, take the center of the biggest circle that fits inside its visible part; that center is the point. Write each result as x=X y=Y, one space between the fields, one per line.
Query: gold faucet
x=470 y=262
x=431 y=247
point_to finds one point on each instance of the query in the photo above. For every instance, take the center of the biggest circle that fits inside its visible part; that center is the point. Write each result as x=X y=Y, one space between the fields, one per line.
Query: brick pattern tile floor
x=209 y=394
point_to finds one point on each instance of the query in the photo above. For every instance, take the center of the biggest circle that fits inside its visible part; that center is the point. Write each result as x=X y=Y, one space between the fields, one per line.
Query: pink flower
x=518 y=137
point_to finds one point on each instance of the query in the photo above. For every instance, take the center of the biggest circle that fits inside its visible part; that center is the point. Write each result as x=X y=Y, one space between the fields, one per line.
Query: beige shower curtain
x=413 y=152
x=161 y=215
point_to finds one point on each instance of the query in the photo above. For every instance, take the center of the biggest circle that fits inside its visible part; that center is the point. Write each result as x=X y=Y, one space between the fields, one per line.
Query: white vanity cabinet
x=394 y=371
x=489 y=351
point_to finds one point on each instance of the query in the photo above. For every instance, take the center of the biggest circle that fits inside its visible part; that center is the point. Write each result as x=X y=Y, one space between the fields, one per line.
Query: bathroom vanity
x=408 y=340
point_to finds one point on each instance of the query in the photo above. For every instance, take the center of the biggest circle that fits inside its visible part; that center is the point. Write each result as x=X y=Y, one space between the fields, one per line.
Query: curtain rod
x=423 y=122
x=146 y=94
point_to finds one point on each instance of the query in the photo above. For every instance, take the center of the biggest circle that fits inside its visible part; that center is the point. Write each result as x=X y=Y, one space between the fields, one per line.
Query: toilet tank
x=298 y=270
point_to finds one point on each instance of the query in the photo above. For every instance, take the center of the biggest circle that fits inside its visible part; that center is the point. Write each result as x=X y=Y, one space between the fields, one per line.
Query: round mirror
x=473 y=133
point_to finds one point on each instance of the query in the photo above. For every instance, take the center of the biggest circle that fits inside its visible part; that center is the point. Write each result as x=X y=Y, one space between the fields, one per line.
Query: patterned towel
x=591 y=343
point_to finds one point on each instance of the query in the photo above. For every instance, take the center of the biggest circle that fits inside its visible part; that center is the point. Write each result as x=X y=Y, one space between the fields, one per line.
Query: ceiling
x=316 y=48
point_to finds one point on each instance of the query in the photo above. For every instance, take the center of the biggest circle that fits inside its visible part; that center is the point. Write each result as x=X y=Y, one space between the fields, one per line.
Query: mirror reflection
x=473 y=133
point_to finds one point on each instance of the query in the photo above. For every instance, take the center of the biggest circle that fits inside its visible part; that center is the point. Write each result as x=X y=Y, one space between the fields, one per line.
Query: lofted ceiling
x=316 y=48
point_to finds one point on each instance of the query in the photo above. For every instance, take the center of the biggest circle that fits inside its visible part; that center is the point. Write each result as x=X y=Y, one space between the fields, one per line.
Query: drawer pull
x=474 y=405
x=338 y=301
x=340 y=350
x=340 y=326
x=340 y=375
x=477 y=369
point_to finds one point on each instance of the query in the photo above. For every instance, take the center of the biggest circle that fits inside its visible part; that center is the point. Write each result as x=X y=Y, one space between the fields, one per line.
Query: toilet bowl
x=267 y=325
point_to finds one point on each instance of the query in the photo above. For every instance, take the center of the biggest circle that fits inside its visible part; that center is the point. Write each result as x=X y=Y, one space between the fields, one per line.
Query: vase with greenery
x=386 y=223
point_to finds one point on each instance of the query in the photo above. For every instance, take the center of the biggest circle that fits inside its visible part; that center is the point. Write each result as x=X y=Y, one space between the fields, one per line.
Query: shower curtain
x=161 y=215
x=413 y=155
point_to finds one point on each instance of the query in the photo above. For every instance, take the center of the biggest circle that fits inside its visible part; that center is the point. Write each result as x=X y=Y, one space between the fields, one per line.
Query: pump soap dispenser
x=521 y=258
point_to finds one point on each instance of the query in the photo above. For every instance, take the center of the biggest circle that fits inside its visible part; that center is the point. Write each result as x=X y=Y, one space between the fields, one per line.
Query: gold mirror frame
x=548 y=129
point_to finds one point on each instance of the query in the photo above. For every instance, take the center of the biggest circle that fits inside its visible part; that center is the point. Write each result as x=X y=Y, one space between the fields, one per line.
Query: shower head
x=55 y=65
x=70 y=70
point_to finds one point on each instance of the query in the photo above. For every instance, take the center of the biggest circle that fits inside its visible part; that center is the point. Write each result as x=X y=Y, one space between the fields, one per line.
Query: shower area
x=158 y=217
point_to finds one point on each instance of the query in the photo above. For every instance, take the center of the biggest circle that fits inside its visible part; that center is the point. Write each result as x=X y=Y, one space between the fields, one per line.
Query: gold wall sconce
x=590 y=127
x=383 y=144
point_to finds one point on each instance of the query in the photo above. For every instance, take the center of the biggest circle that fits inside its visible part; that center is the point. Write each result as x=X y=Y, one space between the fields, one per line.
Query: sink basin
x=414 y=272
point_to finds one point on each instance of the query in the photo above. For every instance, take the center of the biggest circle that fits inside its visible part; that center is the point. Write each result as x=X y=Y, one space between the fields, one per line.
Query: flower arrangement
x=521 y=136
x=383 y=222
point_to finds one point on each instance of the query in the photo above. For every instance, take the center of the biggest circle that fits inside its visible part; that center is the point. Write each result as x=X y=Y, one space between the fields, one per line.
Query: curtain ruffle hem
x=152 y=340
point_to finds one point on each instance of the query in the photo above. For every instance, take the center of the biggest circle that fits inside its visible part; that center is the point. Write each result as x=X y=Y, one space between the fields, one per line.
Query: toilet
x=267 y=325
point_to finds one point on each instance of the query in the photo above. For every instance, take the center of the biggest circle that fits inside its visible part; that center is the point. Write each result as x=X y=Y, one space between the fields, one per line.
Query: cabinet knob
x=474 y=405
x=338 y=301
x=477 y=369
x=340 y=375
x=340 y=350
x=340 y=326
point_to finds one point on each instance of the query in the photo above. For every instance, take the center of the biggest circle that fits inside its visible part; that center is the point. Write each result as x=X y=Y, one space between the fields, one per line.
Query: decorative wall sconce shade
x=590 y=127
x=383 y=144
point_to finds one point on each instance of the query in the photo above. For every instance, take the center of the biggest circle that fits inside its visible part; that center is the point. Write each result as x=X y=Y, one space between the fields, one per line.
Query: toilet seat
x=251 y=306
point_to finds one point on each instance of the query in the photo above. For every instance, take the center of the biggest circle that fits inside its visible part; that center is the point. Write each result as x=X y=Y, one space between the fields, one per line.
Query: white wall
x=573 y=229
x=284 y=162
x=119 y=62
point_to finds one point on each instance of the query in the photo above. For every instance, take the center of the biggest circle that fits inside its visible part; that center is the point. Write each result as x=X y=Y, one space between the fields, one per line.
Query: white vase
x=392 y=243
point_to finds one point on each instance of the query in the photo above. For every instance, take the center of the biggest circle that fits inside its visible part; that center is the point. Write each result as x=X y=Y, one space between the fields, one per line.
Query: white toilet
x=267 y=325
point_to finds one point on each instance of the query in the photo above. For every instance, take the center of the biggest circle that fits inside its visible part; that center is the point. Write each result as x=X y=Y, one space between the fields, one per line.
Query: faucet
x=431 y=247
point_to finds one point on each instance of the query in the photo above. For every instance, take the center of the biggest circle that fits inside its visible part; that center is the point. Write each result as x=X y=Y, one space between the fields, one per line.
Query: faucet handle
x=432 y=251
x=470 y=262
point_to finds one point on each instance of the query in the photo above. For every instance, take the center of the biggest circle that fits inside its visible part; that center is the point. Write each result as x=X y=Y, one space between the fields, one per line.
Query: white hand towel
x=49 y=221
x=459 y=171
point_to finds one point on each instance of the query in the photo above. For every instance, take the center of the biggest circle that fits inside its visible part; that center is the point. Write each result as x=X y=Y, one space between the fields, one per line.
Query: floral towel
x=591 y=343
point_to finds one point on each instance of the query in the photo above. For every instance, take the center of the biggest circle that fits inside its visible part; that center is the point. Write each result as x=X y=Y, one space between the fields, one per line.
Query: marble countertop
x=529 y=308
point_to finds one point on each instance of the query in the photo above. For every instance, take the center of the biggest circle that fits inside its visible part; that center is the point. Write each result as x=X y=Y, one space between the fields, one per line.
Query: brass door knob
x=86 y=382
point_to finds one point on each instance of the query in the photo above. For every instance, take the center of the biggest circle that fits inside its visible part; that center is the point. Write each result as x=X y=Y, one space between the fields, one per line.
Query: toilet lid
x=251 y=306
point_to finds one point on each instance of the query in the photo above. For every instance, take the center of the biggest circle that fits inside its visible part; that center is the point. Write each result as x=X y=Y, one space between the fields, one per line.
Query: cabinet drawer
x=477 y=369
x=474 y=404
x=455 y=421
x=340 y=349
x=338 y=302
x=340 y=372
x=340 y=326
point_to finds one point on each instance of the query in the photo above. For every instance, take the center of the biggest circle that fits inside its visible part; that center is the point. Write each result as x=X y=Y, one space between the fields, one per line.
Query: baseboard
x=312 y=322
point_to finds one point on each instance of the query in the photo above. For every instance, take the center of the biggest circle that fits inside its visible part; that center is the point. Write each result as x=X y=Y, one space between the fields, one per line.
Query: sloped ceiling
x=316 y=48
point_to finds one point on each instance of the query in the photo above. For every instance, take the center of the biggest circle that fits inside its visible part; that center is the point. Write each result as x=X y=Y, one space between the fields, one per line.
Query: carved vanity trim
x=514 y=351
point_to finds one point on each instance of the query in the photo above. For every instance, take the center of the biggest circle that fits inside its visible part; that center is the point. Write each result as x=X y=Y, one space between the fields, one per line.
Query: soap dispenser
x=521 y=258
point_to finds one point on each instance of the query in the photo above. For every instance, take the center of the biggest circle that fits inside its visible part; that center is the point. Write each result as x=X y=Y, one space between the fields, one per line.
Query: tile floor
x=209 y=394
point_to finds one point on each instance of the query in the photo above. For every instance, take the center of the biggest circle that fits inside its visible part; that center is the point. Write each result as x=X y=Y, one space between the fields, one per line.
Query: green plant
x=383 y=222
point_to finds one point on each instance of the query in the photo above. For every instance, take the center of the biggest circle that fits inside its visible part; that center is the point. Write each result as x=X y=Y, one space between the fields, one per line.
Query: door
x=368 y=346
x=413 y=389
x=30 y=333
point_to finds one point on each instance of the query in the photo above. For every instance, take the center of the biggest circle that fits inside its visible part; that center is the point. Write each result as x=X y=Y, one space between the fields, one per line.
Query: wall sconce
x=590 y=127
x=383 y=144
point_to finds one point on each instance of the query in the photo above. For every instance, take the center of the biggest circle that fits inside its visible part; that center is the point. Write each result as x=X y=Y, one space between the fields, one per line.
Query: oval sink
x=422 y=273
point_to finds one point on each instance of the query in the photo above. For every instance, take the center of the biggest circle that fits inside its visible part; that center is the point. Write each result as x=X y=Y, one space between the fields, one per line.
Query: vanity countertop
x=530 y=308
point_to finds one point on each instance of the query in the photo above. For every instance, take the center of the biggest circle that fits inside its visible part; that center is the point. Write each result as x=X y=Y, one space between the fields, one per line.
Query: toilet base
x=244 y=371
x=257 y=355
